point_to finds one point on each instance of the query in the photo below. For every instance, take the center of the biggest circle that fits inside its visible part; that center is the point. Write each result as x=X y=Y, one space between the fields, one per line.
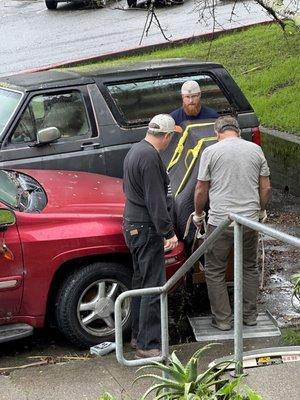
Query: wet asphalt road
x=32 y=36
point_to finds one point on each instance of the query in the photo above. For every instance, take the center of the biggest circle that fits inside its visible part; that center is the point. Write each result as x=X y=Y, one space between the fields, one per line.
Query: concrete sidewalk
x=88 y=379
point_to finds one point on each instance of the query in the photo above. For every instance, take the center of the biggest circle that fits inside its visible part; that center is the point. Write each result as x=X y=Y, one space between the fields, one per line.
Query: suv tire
x=85 y=303
x=51 y=4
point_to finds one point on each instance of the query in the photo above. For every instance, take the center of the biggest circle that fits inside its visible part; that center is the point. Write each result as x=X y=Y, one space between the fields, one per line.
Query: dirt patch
x=280 y=262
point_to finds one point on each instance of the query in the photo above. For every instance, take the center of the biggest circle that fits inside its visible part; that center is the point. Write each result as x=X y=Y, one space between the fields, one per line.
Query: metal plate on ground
x=204 y=332
x=262 y=357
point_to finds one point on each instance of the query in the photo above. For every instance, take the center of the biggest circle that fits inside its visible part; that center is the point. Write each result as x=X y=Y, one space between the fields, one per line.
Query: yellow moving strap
x=180 y=145
x=194 y=152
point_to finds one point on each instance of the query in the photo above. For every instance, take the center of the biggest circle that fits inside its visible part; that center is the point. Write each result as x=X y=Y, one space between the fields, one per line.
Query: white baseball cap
x=163 y=123
x=190 y=87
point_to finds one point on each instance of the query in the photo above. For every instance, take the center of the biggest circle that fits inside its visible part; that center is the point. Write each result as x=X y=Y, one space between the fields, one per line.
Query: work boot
x=250 y=321
x=147 y=353
x=221 y=325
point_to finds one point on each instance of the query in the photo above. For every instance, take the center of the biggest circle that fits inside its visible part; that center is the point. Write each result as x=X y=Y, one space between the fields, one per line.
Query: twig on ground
x=251 y=70
x=45 y=360
x=6 y=369
x=54 y=360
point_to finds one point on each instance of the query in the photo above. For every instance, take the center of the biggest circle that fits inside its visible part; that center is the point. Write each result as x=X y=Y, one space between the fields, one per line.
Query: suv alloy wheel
x=85 y=303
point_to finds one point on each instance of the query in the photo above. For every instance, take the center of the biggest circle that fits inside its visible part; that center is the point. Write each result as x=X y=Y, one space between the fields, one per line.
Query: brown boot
x=147 y=353
x=133 y=343
x=221 y=325
x=250 y=321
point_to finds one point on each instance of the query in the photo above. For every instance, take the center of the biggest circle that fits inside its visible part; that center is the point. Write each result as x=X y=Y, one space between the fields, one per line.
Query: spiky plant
x=184 y=383
x=180 y=380
x=107 y=396
x=295 y=279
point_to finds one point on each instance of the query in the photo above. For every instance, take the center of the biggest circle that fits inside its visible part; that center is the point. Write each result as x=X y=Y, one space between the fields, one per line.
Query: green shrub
x=106 y=396
x=295 y=279
x=291 y=336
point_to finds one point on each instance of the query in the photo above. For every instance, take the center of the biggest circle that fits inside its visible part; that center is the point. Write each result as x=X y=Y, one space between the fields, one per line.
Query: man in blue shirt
x=192 y=109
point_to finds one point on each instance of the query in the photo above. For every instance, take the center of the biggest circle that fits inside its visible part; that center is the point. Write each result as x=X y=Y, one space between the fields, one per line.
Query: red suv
x=62 y=254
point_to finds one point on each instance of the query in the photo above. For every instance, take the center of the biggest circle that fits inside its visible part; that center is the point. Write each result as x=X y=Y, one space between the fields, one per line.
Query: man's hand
x=262 y=216
x=198 y=219
x=171 y=243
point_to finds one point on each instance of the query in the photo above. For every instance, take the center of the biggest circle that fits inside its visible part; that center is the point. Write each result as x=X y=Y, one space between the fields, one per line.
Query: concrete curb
x=143 y=49
x=282 y=135
x=282 y=153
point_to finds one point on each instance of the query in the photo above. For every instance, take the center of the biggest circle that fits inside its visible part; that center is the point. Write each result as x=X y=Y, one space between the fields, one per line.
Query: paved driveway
x=32 y=36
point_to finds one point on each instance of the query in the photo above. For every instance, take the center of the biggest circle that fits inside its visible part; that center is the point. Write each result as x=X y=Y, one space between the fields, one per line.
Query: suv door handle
x=90 y=145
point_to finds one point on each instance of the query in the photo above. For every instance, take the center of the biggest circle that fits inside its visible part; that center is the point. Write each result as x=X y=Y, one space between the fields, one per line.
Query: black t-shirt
x=146 y=185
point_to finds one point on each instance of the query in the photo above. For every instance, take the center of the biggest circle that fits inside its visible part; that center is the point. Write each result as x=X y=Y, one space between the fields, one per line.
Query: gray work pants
x=216 y=259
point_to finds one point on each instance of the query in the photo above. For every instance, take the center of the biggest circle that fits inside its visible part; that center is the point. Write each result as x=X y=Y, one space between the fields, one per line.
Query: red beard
x=191 y=109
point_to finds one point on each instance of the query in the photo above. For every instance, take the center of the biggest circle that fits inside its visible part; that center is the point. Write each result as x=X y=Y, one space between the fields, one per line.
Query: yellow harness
x=180 y=146
x=194 y=152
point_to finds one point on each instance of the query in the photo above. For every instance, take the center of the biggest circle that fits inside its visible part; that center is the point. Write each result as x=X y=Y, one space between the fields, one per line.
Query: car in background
x=87 y=120
x=52 y=4
x=63 y=258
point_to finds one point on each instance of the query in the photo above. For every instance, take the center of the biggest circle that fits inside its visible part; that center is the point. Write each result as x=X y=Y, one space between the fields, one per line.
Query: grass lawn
x=291 y=336
x=263 y=61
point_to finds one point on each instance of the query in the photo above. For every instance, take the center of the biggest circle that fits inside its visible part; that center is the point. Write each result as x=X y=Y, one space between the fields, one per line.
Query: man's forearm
x=264 y=191
x=201 y=196
x=265 y=195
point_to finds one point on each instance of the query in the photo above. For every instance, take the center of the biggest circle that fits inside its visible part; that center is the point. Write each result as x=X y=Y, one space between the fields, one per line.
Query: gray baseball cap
x=190 y=87
x=163 y=123
x=226 y=123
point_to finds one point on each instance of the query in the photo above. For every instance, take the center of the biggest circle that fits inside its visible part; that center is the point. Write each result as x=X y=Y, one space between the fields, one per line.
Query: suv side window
x=65 y=111
x=138 y=101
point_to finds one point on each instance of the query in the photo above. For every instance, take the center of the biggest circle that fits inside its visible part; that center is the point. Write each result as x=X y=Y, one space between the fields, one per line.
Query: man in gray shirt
x=234 y=176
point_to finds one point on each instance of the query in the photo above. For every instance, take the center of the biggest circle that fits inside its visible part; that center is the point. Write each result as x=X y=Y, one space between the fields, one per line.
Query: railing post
x=238 y=297
x=164 y=326
x=164 y=330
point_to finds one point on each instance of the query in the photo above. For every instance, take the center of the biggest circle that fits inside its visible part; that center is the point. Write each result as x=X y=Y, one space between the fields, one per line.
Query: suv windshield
x=21 y=192
x=9 y=101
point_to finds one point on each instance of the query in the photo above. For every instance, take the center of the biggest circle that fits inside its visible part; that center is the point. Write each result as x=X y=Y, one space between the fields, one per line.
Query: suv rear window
x=138 y=101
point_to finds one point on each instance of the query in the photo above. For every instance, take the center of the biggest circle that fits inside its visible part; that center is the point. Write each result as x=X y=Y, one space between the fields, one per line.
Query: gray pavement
x=89 y=378
x=36 y=37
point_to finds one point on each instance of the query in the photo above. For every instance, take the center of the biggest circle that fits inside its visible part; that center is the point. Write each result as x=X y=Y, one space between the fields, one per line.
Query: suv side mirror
x=47 y=135
x=7 y=218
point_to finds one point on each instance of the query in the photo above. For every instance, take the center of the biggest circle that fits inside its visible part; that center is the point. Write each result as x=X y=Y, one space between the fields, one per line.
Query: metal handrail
x=238 y=276
x=163 y=290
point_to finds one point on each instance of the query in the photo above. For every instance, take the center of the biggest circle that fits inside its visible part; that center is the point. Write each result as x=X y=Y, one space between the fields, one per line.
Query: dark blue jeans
x=147 y=250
